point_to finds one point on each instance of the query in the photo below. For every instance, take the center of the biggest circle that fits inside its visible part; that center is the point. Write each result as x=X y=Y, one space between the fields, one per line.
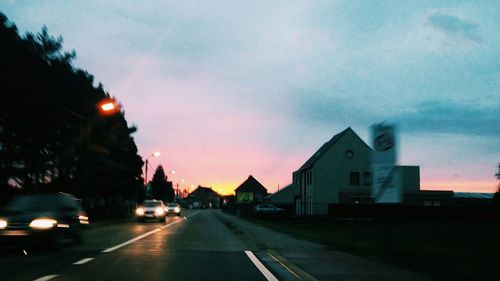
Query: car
x=42 y=218
x=173 y=208
x=151 y=210
x=267 y=209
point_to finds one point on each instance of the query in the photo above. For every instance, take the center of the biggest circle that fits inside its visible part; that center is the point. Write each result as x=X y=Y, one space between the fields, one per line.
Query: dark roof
x=325 y=147
x=204 y=191
x=251 y=185
x=475 y=195
x=279 y=191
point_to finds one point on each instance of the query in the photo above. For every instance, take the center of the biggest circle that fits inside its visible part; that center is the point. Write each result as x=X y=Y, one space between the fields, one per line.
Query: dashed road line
x=111 y=249
x=269 y=276
x=47 y=277
x=83 y=261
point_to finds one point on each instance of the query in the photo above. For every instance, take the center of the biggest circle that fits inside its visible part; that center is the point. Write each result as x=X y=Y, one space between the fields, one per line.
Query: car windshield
x=34 y=203
x=172 y=205
x=149 y=204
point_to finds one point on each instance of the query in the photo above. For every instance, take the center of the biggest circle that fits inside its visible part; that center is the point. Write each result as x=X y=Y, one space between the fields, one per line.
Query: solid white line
x=83 y=261
x=108 y=250
x=46 y=278
x=269 y=276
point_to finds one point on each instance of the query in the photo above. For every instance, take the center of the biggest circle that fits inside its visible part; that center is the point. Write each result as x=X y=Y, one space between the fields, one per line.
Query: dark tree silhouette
x=52 y=137
x=496 y=196
x=161 y=188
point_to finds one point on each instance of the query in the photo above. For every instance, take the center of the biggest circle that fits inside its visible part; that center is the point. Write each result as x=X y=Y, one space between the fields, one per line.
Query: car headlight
x=83 y=219
x=43 y=223
x=139 y=211
x=177 y=210
x=159 y=211
x=3 y=224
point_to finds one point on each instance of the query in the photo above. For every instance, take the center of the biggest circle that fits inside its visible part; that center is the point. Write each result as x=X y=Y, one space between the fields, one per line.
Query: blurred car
x=173 y=208
x=267 y=209
x=151 y=210
x=47 y=217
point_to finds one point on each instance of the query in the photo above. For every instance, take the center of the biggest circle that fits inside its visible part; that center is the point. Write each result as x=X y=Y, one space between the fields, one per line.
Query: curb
x=291 y=267
x=284 y=262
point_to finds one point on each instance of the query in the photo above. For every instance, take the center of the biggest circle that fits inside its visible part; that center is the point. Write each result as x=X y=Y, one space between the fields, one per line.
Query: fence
x=413 y=212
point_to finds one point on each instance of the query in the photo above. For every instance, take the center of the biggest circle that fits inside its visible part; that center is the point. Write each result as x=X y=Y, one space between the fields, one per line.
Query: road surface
x=196 y=246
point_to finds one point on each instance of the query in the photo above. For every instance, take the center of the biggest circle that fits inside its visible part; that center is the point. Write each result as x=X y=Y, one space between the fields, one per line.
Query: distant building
x=473 y=199
x=283 y=198
x=341 y=165
x=250 y=191
x=203 y=197
x=340 y=173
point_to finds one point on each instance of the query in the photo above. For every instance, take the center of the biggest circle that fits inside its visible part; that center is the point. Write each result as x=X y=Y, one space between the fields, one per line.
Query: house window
x=367 y=178
x=433 y=203
x=354 y=178
x=436 y=203
x=309 y=177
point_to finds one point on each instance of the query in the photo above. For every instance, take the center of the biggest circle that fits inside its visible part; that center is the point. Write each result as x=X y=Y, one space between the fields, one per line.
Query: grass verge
x=440 y=249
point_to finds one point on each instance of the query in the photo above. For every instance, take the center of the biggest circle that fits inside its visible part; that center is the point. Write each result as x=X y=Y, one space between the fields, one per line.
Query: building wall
x=331 y=173
x=284 y=196
x=410 y=178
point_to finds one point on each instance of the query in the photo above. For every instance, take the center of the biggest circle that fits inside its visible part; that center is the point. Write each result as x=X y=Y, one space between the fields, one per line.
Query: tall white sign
x=386 y=186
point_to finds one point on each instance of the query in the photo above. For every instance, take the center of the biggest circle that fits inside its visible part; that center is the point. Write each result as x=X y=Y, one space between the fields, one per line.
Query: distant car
x=267 y=209
x=47 y=217
x=151 y=210
x=173 y=208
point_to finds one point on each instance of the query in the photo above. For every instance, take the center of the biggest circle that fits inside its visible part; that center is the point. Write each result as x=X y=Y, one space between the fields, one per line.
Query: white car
x=267 y=209
x=173 y=208
x=151 y=210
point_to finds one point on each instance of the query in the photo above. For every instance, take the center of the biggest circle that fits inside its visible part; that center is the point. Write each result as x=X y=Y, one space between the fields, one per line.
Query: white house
x=341 y=165
x=340 y=173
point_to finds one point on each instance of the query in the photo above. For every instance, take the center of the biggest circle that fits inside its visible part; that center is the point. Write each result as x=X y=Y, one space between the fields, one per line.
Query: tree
x=52 y=137
x=496 y=196
x=498 y=175
x=161 y=188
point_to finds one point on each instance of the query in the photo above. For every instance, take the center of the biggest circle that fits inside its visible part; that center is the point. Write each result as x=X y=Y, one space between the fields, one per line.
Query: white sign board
x=386 y=186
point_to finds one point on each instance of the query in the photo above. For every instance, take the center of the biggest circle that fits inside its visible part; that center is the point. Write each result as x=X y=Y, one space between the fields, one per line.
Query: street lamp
x=154 y=154
x=109 y=106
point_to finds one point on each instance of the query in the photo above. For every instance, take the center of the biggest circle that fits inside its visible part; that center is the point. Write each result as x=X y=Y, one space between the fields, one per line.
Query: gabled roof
x=204 y=191
x=251 y=185
x=325 y=147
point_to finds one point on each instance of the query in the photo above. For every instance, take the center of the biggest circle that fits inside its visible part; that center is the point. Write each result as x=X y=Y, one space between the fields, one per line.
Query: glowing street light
x=154 y=154
x=109 y=106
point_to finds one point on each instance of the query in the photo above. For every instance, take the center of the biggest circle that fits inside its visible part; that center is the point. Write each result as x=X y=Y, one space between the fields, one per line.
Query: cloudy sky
x=224 y=89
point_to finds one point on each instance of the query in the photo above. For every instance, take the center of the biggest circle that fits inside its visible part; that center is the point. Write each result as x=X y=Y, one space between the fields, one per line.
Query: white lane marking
x=108 y=250
x=269 y=276
x=46 y=278
x=83 y=261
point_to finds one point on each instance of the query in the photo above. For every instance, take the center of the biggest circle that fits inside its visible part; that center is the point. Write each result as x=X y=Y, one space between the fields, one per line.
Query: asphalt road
x=196 y=246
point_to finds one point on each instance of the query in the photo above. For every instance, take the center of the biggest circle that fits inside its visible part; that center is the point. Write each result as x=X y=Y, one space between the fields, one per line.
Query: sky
x=228 y=89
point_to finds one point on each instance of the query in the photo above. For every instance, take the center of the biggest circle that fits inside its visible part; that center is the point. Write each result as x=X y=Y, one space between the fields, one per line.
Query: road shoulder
x=309 y=260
